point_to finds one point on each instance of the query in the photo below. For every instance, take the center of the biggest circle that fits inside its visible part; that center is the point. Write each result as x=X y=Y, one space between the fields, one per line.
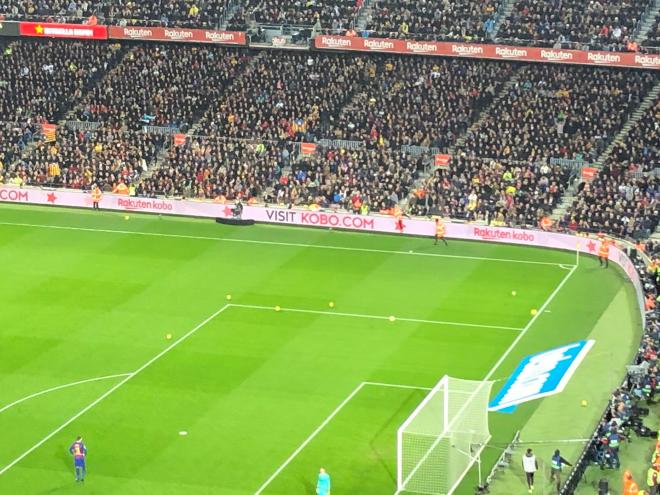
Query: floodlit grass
x=89 y=295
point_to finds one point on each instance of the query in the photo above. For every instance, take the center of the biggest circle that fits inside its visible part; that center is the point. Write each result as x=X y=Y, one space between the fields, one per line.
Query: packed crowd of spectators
x=220 y=168
x=329 y=14
x=14 y=137
x=182 y=13
x=653 y=36
x=493 y=191
x=420 y=102
x=77 y=159
x=288 y=96
x=162 y=85
x=558 y=111
x=457 y=20
x=624 y=199
x=597 y=23
x=35 y=75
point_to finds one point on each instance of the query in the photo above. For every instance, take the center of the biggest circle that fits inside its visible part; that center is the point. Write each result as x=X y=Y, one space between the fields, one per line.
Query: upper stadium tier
x=479 y=140
x=598 y=24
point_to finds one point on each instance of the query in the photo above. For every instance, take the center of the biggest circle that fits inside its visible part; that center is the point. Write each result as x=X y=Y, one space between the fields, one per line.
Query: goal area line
x=327 y=420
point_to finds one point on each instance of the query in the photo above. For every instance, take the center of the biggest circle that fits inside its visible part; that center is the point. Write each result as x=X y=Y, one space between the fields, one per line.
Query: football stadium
x=372 y=247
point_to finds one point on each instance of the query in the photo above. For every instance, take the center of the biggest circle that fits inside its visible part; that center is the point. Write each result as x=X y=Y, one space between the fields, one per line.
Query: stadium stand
x=465 y=20
x=78 y=159
x=333 y=14
x=419 y=102
x=182 y=13
x=161 y=85
x=597 y=23
x=288 y=96
x=498 y=192
x=653 y=36
x=558 y=111
x=14 y=137
x=623 y=198
x=35 y=73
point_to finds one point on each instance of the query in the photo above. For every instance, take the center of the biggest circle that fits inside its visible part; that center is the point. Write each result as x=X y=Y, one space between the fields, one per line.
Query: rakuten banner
x=498 y=52
x=322 y=219
x=177 y=34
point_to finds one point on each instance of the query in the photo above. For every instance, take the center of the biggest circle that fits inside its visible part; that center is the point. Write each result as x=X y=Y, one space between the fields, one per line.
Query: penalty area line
x=325 y=423
x=374 y=317
x=276 y=243
x=112 y=390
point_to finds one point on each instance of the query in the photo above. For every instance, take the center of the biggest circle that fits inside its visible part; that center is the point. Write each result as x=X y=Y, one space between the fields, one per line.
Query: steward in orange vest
x=96 y=196
x=604 y=252
x=440 y=231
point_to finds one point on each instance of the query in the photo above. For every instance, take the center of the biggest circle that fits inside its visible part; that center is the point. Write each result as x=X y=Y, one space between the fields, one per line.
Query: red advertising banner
x=54 y=30
x=442 y=161
x=588 y=173
x=183 y=35
x=498 y=52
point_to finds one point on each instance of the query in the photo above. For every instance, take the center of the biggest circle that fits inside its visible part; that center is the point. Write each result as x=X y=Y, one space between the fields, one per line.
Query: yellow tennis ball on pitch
x=277 y=308
x=533 y=312
x=583 y=403
x=392 y=318
x=126 y=217
x=331 y=304
x=168 y=336
x=513 y=293
x=228 y=297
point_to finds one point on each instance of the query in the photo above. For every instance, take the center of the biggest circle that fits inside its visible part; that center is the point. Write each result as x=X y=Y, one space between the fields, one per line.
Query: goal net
x=443 y=437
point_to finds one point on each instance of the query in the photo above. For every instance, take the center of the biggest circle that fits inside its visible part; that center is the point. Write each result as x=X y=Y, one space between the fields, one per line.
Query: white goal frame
x=474 y=456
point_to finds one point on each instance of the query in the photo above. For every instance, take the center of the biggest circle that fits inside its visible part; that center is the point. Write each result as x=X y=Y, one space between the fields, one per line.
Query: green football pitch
x=244 y=399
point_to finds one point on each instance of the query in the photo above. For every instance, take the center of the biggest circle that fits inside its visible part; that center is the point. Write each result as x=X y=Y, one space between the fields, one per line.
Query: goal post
x=443 y=437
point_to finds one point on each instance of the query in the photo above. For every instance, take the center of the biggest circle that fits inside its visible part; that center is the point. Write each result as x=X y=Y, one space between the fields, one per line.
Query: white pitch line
x=109 y=392
x=275 y=243
x=325 y=423
x=374 y=317
x=395 y=385
x=60 y=387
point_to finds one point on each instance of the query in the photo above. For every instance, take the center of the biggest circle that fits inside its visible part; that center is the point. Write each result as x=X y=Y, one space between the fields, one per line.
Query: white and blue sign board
x=540 y=375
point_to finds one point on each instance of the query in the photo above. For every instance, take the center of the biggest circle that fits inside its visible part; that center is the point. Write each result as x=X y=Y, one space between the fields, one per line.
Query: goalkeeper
x=323 y=483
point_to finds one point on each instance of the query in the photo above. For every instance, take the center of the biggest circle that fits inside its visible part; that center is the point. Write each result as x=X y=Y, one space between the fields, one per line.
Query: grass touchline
x=275 y=243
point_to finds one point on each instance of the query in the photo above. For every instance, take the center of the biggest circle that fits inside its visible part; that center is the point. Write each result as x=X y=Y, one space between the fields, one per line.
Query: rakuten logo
x=332 y=220
x=140 y=204
x=556 y=55
x=496 y=234
x=14 y=195
x=648 y=60
x=178 y=34
x=506 y=52
x=330 y=42
x=378 y=45
x=219 y=36
x=416 y=47
x=467 y=50
x=603 y=58
x=138 y=33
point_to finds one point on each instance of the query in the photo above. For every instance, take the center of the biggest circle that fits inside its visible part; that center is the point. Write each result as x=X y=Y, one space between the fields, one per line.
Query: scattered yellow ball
x=533 y=312
x=392 y=318
x=583 y=403
x=513 y=293
x=126 y=217
x=277 y=308
x=331 y=304
x=228 y=297
x=168 y=336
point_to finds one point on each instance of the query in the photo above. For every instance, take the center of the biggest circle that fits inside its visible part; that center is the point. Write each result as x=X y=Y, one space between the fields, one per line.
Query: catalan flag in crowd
x=49 y=131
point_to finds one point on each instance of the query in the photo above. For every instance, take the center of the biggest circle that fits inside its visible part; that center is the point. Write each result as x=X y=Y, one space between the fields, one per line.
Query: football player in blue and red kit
x=79 y=452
